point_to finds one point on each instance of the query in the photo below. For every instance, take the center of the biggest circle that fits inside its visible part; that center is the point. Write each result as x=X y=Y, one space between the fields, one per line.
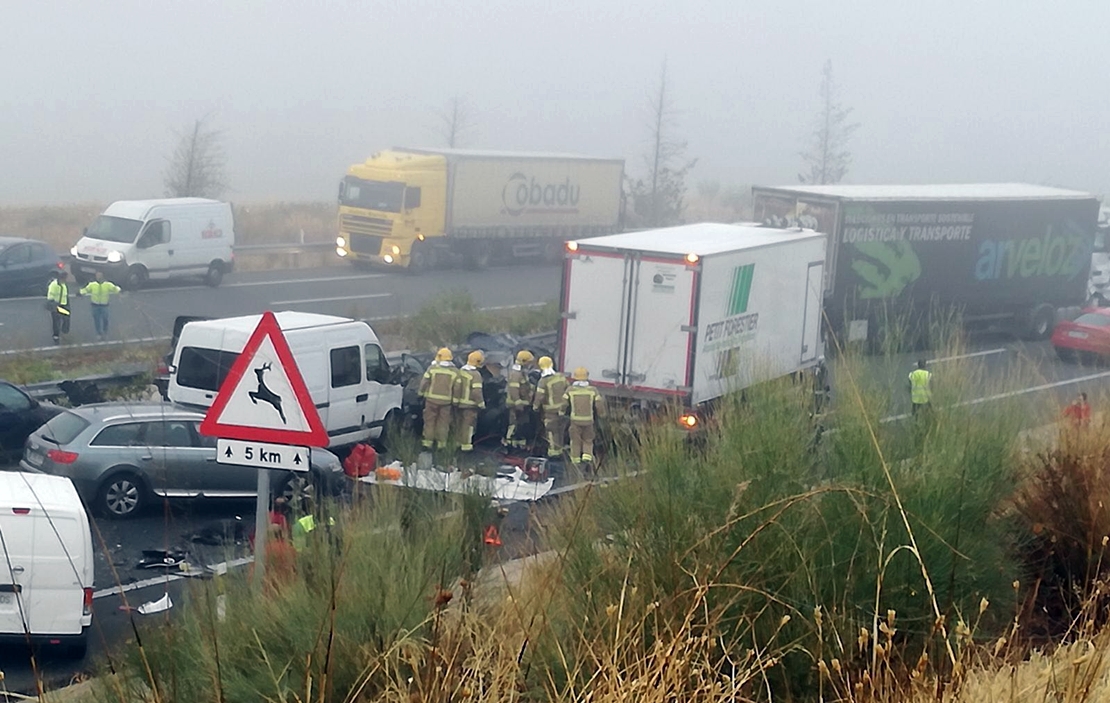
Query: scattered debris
x=157 y=606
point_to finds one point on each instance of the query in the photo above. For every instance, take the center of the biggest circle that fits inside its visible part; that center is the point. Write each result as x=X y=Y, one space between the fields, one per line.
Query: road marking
x=169 y=577
x=331 y=300
x=245 y=284
x=972 y=355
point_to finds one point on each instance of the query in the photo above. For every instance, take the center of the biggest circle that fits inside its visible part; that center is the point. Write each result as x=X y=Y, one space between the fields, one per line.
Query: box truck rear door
x=811 y=325
x=659 y=338
x=595 y=295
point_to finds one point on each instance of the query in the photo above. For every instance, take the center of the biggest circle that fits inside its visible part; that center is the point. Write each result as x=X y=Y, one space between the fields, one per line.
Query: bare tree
x=659 y=199
x=827 y=157
x=457 y=122
x=198 y=166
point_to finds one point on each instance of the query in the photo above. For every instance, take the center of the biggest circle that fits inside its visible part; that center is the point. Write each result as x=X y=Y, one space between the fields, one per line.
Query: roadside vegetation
x=448 y=318
x=955 y=558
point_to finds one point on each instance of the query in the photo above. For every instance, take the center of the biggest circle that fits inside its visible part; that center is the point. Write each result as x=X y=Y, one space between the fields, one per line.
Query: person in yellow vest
x=437 y=388
x=550 y=392
x=98 y=292
x=519 y=399
x=921 y=393
x=57 y=302
x=469 y=399
x=583 y=405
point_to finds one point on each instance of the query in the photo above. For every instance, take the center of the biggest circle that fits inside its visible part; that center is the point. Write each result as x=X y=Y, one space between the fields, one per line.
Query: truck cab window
x=377 y=368
x=346 y=367
x=412 y=198
x=157 y=232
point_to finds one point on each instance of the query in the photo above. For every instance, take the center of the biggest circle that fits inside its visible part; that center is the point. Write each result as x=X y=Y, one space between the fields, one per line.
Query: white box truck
x=690 y=313
x=46 y=563
x=135 y=241
x=419 y=208
x=355 y=390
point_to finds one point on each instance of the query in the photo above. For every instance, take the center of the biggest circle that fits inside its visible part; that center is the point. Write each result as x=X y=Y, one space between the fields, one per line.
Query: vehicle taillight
x=60 y=456
x=21 y=511
x=688 y=421
x=87 y=607
x=163 y=369
x=61 y=265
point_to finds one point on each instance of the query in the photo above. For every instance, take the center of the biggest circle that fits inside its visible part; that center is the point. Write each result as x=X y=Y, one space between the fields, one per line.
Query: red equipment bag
x=362 y=461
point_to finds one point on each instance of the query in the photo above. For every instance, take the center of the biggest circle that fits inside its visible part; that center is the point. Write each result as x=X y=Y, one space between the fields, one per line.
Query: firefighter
x=519 y=399
x=583 y=404
x=469 y=399
x=550 y=392
x=437 y=388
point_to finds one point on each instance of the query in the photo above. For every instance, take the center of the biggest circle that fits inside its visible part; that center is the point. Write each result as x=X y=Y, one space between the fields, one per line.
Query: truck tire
x=136 y=277
x=1039 y=323
x=215 y=275
x=419 y=259
x=479 y=257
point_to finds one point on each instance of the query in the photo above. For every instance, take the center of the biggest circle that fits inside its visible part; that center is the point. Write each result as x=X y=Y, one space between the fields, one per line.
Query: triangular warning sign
x=264 y=398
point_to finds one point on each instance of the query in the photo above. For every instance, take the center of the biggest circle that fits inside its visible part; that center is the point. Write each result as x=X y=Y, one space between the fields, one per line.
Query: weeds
x=450 y=317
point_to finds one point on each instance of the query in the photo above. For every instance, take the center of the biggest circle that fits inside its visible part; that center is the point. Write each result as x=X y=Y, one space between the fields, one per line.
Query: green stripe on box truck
x=741 y=289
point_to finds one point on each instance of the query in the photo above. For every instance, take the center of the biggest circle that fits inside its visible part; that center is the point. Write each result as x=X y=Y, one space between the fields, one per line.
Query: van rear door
x=48 y=557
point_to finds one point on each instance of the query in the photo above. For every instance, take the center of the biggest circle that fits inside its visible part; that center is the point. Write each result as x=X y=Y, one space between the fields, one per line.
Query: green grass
x=449 y=317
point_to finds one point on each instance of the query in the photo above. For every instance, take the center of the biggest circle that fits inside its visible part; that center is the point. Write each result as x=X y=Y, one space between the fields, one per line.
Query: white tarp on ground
x=509 y=485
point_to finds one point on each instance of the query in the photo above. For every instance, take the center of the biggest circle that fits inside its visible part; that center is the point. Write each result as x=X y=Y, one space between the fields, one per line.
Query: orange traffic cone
x=492 y=536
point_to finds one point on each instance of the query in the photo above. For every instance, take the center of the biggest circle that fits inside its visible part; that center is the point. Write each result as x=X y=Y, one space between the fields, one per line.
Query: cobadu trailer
x=672 y=320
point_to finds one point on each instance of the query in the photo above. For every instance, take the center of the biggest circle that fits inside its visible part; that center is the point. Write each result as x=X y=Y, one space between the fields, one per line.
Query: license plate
x=7 y=600
x=34 y=457
x=1077 y=335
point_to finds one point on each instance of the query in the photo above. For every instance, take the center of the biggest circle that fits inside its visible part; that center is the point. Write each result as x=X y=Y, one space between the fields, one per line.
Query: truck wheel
x=480 y=256
x=215 y=275
x=419 y=260
x=121 y=496
x=1039 y=323
x=136 y=278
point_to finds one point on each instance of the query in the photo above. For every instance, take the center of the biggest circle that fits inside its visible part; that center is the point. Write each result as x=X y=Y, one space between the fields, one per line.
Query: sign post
x=267 y=422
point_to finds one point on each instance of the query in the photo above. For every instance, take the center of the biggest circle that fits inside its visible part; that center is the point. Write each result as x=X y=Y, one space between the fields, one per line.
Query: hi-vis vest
x=98 y=292
x=550 y=392
x=582 y=401
x=919 y=386
x=468 y=389
x=59 y=293
x=438 y=384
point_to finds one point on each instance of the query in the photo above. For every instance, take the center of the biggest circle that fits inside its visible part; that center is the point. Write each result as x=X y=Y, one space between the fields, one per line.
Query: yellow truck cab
x=418 y=209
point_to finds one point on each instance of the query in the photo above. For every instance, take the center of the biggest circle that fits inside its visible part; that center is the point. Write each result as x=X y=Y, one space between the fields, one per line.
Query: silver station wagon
x=121 y=455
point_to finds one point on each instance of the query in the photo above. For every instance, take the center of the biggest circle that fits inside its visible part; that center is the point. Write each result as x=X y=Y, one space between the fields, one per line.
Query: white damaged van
x=341 y=360
x=46 y=562
x=135 y=241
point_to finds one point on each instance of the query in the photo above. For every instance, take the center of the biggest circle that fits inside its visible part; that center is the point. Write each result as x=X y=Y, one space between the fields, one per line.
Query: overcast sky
x=945 y=91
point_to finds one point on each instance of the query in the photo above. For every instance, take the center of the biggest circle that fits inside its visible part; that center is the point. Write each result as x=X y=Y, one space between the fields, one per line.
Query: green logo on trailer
x=741 y=289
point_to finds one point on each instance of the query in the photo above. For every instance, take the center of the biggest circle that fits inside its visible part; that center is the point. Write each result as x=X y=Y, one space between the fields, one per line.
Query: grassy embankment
x=887 y=562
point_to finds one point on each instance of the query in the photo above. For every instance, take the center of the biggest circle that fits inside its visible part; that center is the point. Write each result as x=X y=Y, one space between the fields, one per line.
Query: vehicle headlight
x=340 y=242
x=395 y=249
x=73 y=252
x=387 y=259
x=114 y=257
x=340 y=252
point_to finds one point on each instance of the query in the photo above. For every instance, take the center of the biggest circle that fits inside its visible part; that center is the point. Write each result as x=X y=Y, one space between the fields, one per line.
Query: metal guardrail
x=51 y=390
x=284 y=248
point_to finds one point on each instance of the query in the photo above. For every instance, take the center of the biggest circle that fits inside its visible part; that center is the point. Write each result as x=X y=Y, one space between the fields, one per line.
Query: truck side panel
x=753 y=310
x=594 y=296
x=533 y=197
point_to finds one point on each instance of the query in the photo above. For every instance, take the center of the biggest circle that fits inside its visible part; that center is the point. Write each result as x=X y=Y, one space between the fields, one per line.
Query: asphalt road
x=341 y=290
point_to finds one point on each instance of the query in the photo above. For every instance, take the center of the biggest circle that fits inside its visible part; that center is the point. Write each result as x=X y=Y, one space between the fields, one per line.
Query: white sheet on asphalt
x=505 y=487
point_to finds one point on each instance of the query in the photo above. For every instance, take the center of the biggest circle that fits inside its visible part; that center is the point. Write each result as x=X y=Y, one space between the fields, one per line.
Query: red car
x=1086 y=336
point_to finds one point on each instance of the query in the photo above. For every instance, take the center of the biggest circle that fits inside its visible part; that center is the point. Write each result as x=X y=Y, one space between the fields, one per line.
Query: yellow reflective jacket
x=550 y=392
x=468 y=388
x=58 y=293
x=920 y=393
x=584 y=403
x=438 y=385
x=98 y=292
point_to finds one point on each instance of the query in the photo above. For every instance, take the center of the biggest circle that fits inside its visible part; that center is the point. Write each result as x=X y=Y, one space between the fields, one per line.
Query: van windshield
x=384 y=196
x=204 y=369
x=114 y=229
x=64 y=428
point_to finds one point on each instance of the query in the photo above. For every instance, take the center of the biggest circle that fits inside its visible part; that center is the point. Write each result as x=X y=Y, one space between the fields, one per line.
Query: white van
x=354 y=389
x=139 y=240
x=46 y=562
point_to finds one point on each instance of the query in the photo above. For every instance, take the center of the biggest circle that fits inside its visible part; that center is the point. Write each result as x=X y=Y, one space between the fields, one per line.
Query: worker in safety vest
x=583 y=405
x=519 y=399
x=550 y=395
x=98 y=292
x=57 y=302
x=437 y=388
x=469 y=399
x=921 y=393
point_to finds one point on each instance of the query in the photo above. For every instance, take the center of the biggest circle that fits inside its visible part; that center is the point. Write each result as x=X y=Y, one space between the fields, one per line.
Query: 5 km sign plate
x=262 y=455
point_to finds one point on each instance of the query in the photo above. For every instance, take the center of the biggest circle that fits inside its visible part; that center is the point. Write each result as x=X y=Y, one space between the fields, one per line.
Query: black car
x=20 y=415
x=26 y=266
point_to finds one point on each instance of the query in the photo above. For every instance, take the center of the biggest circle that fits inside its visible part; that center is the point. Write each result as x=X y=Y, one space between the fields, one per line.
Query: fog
x=944 y=91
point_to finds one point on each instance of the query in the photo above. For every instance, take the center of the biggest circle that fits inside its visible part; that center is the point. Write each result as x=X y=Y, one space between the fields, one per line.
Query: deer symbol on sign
x=265 y=394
